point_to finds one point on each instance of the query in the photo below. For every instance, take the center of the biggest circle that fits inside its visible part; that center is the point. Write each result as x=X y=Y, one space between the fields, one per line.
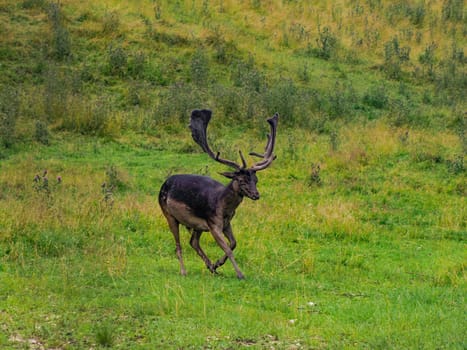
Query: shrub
x=341 y=100
x=229 y=100
x=117 y=59
x=88 y=117
x=326 y=44
x=282 y=97
x=9 y=112
x=136 y=64
x=61 y=42
x=244 y=74
x=110 y=22
x=177 y=101
x=28 y=4
x=428 y=60
x=453 y=10
x=55 y=93
x=199 y=68
x=376 y=97
x=41 y=133
x=394 y=57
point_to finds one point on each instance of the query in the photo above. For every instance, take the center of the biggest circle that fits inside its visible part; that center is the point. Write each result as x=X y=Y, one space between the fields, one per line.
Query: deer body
x=202 y=204
x=196 y=201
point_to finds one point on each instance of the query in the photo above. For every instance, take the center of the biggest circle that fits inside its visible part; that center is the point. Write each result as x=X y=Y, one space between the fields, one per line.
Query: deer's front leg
x=194 y=242
x=217 y=234
x=233 y=243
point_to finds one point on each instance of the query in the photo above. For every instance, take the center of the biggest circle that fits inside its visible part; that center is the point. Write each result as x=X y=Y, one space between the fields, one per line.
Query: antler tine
x=199 y=121
x=268 y=155
x=243 y=159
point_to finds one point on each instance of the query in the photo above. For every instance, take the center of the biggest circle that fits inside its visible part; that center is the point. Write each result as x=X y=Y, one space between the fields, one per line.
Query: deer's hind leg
x=194 y=242
x=174 y=227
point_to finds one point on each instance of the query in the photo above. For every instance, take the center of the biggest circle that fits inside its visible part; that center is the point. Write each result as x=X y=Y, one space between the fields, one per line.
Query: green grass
x=373 y=257
x=358 y=240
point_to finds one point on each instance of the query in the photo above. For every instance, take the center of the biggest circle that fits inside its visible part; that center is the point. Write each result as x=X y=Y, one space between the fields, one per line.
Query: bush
x=61 y=42
x=326 y=44
x=282 y=97
x=9 y=112
x=453 y=10
x=55 y=93
x=110 y=22
x=41 y=133
x=199 y=68
x=376 y=97
x=88 y=117
x=117 y=60
x=176 y=102
x=341 y=100
x=244 y=74
x=427 y=59
x=28 y=4
x=394 y=57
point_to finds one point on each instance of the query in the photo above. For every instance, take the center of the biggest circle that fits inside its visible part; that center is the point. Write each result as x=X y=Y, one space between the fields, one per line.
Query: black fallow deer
x=202 y=204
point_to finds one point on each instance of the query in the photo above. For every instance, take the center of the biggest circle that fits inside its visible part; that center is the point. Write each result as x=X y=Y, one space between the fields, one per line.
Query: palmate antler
x=198 y=124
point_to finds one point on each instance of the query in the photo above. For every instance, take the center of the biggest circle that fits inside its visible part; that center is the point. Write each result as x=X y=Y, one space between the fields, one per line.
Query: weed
x=41 y=183
x=334 y=140
x=157 y=10
x=110 y=23
x=41 y=133
x=303 y=73
x=457 y=165
x=105 y=335
x=315 y=178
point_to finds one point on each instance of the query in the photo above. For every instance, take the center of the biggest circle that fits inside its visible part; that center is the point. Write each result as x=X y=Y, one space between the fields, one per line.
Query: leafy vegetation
x=359 y=238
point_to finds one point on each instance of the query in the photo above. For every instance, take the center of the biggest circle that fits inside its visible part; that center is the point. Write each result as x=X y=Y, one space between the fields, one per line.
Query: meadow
x=359 y=238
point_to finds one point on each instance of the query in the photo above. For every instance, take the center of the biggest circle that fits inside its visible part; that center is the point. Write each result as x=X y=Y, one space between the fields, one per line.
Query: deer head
x=243 y=178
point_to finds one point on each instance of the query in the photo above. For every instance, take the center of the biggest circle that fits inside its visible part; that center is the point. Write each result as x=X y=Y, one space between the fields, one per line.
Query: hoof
x=212 y=269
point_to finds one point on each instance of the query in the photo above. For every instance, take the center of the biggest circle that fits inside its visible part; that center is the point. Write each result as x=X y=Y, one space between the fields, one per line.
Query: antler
x=199 y=121
x=268 y=155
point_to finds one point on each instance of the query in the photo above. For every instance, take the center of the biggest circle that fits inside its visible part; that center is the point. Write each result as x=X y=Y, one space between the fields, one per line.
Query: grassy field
x=367 y=252
x=359 y=239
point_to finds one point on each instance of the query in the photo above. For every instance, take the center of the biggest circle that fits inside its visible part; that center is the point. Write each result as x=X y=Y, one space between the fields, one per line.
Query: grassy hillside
x=359 y=239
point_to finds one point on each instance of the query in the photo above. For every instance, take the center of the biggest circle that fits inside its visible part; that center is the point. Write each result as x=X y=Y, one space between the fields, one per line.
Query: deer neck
x=231 y=197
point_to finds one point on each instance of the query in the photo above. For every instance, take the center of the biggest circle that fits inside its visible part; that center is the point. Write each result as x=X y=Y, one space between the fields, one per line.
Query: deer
x=202 y=204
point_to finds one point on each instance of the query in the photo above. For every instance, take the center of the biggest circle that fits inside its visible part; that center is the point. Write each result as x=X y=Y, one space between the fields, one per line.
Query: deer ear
x=228 y=174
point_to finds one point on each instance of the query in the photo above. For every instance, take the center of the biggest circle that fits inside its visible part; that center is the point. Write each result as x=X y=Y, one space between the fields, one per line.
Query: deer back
x=199 y=194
